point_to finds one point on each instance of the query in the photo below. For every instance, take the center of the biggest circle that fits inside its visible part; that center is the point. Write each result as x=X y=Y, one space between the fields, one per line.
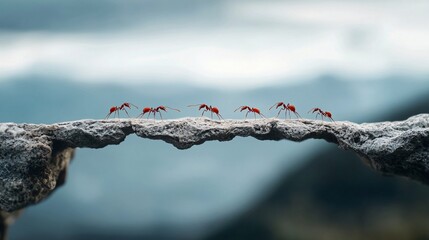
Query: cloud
x=257 y=43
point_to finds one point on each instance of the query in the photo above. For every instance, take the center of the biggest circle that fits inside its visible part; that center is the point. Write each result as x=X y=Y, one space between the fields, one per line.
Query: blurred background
x=64 y=60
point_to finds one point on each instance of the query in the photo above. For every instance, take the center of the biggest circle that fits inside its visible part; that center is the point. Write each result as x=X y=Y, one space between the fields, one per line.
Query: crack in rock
x=34 y=157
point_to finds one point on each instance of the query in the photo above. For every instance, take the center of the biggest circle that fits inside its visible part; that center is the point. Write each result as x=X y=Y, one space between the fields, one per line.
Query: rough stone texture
x=34 y=158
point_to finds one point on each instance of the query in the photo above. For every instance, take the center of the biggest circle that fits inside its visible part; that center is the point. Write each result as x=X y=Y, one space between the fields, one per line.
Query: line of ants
x=281 y=106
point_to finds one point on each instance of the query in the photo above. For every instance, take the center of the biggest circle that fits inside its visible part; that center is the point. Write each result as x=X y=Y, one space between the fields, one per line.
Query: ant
x=287 y=108
x=208 y=108
x=321 y=113
x=250 y=109
x=318 y=112
x=155 y=110
x=116 y=109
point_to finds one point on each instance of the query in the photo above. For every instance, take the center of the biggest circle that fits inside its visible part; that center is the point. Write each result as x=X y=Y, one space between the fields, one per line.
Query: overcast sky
x=222 y=44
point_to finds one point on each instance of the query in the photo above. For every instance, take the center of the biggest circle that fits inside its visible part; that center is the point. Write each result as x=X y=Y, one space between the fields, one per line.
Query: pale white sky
x=256 y=43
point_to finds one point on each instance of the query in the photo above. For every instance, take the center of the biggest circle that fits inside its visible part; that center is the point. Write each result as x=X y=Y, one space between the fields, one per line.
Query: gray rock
x=34 y=158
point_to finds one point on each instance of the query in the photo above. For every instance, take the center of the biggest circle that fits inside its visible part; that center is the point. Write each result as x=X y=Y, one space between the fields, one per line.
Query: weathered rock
x=34 y=158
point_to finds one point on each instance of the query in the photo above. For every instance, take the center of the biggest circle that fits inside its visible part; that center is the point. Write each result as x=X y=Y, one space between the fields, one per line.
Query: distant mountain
x=143 y=185
x=334 y=196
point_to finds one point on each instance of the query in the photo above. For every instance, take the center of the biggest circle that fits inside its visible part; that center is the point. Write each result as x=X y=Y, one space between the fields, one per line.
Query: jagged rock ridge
x=34 y=157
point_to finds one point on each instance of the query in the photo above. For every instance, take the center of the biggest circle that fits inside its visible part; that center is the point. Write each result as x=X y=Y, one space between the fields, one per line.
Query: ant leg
x=332 y=119
x=262 y=115
x=108 y=115
x=211 y=114
x=279 y=113
x=219 y=116
x=254 y=114
x=297 y=114
x=245 y=117
x=272 y=106
x=126 y=112
x=160 y=115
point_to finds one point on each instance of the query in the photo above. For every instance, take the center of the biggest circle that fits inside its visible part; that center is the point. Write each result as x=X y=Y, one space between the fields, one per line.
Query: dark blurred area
x=99 y=15
x=335 y=196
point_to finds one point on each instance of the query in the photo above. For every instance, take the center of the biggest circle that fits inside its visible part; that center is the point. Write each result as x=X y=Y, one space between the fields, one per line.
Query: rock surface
x=34 y=157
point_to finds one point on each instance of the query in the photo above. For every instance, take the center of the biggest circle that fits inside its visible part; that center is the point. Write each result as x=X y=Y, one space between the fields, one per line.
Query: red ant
x=250 y=109
x=287 y=108
x=155 y=110
x=318 y=112
x=321 y=113
x=208 y=108
x=116 y=109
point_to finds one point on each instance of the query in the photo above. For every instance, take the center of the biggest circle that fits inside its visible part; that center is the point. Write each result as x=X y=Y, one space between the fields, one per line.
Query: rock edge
x=34 y=157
